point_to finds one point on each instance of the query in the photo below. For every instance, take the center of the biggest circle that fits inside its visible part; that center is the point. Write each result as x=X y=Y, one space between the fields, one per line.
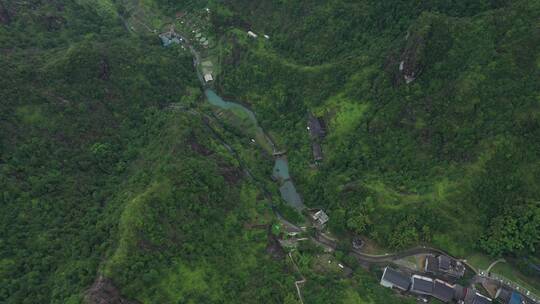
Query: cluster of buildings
x=434 y=282
x=425 y=286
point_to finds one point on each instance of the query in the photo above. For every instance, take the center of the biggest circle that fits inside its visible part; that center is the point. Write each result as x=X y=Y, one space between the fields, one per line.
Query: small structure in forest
x=252 y=34
x=316 y=126
x=320 y=218
x=317 y=131
x=208 y=78
x=169 y=38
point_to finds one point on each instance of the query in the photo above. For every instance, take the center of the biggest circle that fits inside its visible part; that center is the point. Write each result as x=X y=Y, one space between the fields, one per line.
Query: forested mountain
x=119 y=184
x=99 y=179
x=432 y=110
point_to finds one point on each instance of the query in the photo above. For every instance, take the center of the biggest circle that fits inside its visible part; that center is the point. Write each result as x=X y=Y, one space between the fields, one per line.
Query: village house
x=320 y=218
x=426 y=286
x=208 y=77
x=443 y=291
x=444 y=266
x=421 y=285
x=393 y=279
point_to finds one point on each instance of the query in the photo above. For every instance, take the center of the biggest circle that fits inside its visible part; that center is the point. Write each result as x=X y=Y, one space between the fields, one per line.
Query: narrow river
x=281 y=167
x=280 y=172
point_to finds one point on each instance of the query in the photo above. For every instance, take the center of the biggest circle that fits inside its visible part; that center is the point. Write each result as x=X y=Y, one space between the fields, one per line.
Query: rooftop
x=443 y=291
x=315 y=127
x=321 y=216
x=480 y=299
x=422 y=285
x=394 y=279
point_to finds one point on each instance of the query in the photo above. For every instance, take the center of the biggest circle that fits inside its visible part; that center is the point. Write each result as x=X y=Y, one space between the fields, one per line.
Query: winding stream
x=281 y=168
x=280 y=172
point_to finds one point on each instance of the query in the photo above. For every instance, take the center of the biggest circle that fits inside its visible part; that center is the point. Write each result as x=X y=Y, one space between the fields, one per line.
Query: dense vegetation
x=451 y=158
x=96 y=176
x=101 y=178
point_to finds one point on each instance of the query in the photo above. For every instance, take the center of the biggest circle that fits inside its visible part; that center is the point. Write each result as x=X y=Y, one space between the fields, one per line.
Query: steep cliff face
x=426 y=43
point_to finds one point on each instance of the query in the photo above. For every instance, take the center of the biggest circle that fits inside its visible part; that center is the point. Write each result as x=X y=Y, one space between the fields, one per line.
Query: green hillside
x=119 y=183
x=115 y=182
x=450 y=159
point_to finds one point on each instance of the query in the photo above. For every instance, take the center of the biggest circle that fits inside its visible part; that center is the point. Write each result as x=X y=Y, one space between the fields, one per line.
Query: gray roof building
x=316 y=126
x=394 y=279
x=443 y=291
x=422 y=285
x=317 y=151
x=445 y=266
x=321 y=217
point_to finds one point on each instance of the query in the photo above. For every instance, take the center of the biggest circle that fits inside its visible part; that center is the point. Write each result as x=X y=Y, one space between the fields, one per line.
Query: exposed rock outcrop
x=426 y=43
x=103 y=291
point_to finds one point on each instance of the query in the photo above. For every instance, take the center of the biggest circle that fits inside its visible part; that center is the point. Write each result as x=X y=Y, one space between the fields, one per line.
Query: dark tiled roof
x=397 y=279
x=444 y=262
x=459 y=292
x=443 y=291
x=432 y=264
x=422 y=285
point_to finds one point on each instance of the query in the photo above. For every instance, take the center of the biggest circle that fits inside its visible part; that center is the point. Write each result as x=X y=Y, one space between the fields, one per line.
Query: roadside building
x=471 y=296
x=444 y=266
x=443 y=291
x=480 y=299
x=394 y=279
x=507 y=295
x=320 y=218
x=422 y=285
x=252 y=34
